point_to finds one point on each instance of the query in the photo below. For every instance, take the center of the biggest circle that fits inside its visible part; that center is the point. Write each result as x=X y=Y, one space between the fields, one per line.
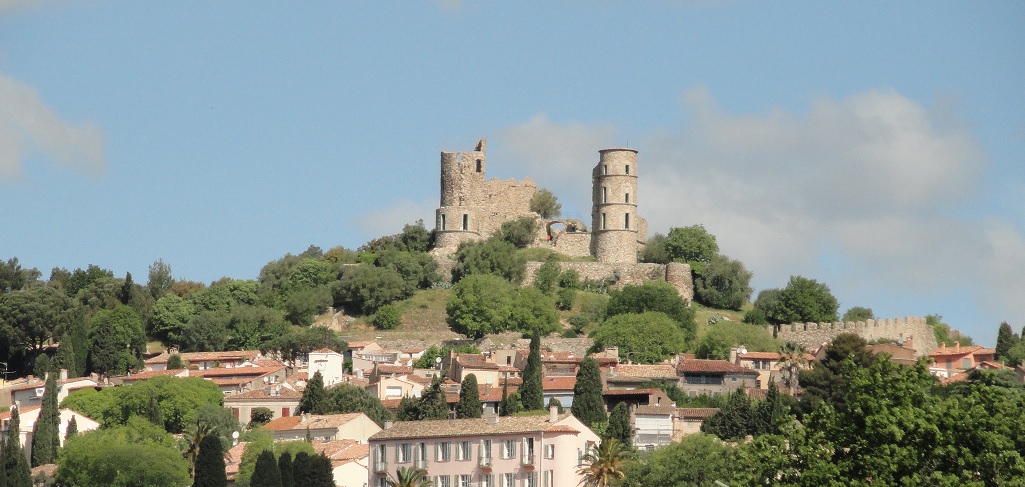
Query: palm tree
x=791 y=361
x=604 y=465
x=408 y=477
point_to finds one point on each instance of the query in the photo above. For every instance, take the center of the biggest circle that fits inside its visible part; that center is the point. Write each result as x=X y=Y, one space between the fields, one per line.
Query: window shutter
x=397 y=453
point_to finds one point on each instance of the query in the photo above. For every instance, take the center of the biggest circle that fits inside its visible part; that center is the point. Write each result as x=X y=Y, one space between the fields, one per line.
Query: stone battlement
x=811 y=335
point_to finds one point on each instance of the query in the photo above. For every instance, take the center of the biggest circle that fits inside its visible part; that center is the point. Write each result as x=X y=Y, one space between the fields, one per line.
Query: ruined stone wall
x=626 y=274
x=811 y=335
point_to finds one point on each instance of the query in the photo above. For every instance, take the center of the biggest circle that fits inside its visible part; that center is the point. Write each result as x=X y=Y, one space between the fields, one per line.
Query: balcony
x=527 y=460
x=484 y=462
x=380 y=467
x=420 y=463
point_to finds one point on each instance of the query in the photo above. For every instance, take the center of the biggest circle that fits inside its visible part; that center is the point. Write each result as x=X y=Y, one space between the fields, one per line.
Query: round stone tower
x=462 y=191
x=614 y=220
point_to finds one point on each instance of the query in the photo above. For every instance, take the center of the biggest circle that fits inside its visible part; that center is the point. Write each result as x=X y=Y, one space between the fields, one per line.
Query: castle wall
x=676 y=274
x=811 y=335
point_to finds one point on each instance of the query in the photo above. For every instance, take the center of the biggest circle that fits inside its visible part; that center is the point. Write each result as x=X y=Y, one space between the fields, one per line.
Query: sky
x=878 y=147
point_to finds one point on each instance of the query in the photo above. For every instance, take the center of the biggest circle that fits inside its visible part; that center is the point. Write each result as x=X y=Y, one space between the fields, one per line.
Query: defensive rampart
x=811 y=335
x=676 y=274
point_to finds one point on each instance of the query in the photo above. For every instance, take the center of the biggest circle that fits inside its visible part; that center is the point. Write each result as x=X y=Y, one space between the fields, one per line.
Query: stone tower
x=614 y=220
x=462 y=181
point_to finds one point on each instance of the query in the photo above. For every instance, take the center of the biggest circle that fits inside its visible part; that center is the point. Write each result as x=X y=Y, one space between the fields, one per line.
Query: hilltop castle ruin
x=474 y=208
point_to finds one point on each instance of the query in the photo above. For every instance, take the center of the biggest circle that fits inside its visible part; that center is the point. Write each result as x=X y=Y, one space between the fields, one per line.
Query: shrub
x=388 y=317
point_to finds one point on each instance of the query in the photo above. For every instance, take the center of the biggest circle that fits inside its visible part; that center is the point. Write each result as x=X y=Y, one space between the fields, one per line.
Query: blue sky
x=875 y=146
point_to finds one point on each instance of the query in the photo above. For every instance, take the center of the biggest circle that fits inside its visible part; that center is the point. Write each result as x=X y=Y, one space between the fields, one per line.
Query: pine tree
x=469 y=398
x=530 y=392
x=266 y=473
x=588 y=406
x=285 y=467
x=46 y=434
x=313 y=395
x=18 y=472
x=1006 y=339
x=210 y=464
x=72 y=429
x=619 y=425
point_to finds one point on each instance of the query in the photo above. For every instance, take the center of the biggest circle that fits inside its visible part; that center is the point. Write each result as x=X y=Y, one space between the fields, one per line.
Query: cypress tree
x=1006 y=339
x=313 y=395
x=408 y=409
x=321 y=474
x=266 y=473
x=153 y=413
x=734 y=420
x=210 y=464
x=588 y=406
x=531 y=393
x=285 y=468
x=469 y=398
x=125 y=295
x=302 y=469
x=46 y=434
x=3 y=468
x=65 y=358
x=769 y=415
x=18 y=472
x=72 y=429
x=433 y=404
x=503 y=405
x=619 y=425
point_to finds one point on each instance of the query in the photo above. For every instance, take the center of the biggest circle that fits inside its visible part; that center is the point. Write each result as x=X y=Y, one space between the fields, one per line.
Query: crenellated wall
x=811 y=335
x=676 y=274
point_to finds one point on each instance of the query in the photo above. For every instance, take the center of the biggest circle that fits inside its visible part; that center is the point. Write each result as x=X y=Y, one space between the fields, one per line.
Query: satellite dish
x=234 y=435
x=742 y=350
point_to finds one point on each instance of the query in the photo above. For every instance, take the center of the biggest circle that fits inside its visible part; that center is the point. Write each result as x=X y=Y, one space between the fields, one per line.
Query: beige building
x=534 y=451
x=30 y=392
x=327 y=427
x=27 y=417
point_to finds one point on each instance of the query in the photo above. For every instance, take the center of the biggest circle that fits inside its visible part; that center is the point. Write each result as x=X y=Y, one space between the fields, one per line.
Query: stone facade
x=811 y=335
x=473 y=208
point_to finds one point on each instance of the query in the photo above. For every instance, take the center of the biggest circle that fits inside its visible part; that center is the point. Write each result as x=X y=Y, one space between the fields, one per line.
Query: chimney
x=388 y=424
x=64 y=375
x=305 y=418
x=553 y=414
x=493 y=419
x=733 y=355
x=957 y=347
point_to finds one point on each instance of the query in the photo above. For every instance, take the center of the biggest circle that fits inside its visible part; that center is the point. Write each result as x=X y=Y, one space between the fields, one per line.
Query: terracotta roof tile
x=314 y=422
x=712 y=366
x=467 y=427
x=760 y=356
x=230 y=355
x=654 y=371
x=6 y=414
x=558 y=383
x=235 y=372
x=654 y=410
x=629 y=392
x=475 y=361
x=284 y=393
x=695 y=413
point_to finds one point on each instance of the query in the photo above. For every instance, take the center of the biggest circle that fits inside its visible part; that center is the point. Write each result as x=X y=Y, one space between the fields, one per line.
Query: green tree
x=805 y=300
x=825 y=382
x=171 y=316
x=732 y=421
x=125 y=294
x=417 y=269
x=408 y=477
x=46 y=435
x=545 y=204
x=530 y=392
x=285 y=468
x=771 y=414
x=546 y=277
x=791 y=362
x=693 y=245
x=160 y=279
x=503 y=405
x=619 y=426
x=259 y=417
x=302 y=469
x=313 y=395
x=416 y=237
x=519 y=232
x=13 y=277
x=267 y=473
x=132 y=455
x=18 y=472
x=532 y=312
x=72 y=429
x=174 y=362
x=180 y=400
x=588 y=405
x=721 y=336
x=388 y=317
x=762 y=312
x=210 y=466
x=433 y=403
x=469 y=398
x=858 y=313
x=79 y=279
x=655 y=251
x=117 y=340
x=1006 y=339
x=493 y=256
x=724 y=284
x=299 y=341
x=153 y=413
x=696 y=460
x=364 y=289
x=646 y=337
x=657 y=296
x=480 y=305
x=603 y=467
x=347 y=398
x=30 y=317
x=65 y=358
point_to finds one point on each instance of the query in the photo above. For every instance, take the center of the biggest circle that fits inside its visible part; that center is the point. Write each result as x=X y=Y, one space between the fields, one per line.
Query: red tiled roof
x=393 y=369
x=72 y=384
x=314 y=421
x=561 y=357
x=712 y=366
x=558 y=383
x=969 y=350
x=341 y=452
x=695 y=413
x=230 y=355
x=6 y=414
x=149 y=374
x=475 y=361
x=356 y=345
x=760 y=356
x=660 y=371
x=235 y=372
x=629 y=392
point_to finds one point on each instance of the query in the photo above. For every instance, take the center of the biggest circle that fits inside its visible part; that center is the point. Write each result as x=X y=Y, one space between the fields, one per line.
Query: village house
x=349 y=461
x=687 y=421
x=958 y=359
x=204 y=360
x=713 y=377
x=282 y=399
x=765 y=363
x=30 y=392
x=27 y=417
x=534 y=451
x=348 y=426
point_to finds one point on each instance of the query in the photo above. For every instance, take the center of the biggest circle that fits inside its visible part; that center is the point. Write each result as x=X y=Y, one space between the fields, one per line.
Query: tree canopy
x=545 y=204
x=645 y=337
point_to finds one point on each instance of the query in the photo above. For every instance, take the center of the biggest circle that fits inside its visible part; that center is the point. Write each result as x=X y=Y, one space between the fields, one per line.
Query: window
x=508 y=480
x=528 y=451
x=626 y=220
x=443 y=225
x=393 y=391
x=480 y=165
x=605 y=169
x=420 y=455
x=466 y=221
x=529 y=479
x=443 y=453
x=549 y=479
x=966 y=363
x=549 y=451
x=603 y=221
x=381 y=458
x=403 y=454
x=604 y=194
x=485 y=452
x=628 y=169
x=628 y=197
x=487 y=480
x=285 y=412
x=442 y=481
x=463 y=450
x=463 y=481
x=508 y=448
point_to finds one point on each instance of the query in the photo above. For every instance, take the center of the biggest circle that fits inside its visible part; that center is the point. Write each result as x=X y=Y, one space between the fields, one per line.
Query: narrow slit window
x=466 y=221
x=443 y=223
x=626 y=220
x=628 y=197
x=605 y=169
x=604 y=194
x=628 y=169
x=603 y=221
x=480 y=166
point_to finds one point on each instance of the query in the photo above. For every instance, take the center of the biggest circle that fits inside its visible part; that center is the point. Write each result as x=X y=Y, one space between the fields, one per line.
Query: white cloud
x=28 y=125
x=389 y=221
x=866 y=193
